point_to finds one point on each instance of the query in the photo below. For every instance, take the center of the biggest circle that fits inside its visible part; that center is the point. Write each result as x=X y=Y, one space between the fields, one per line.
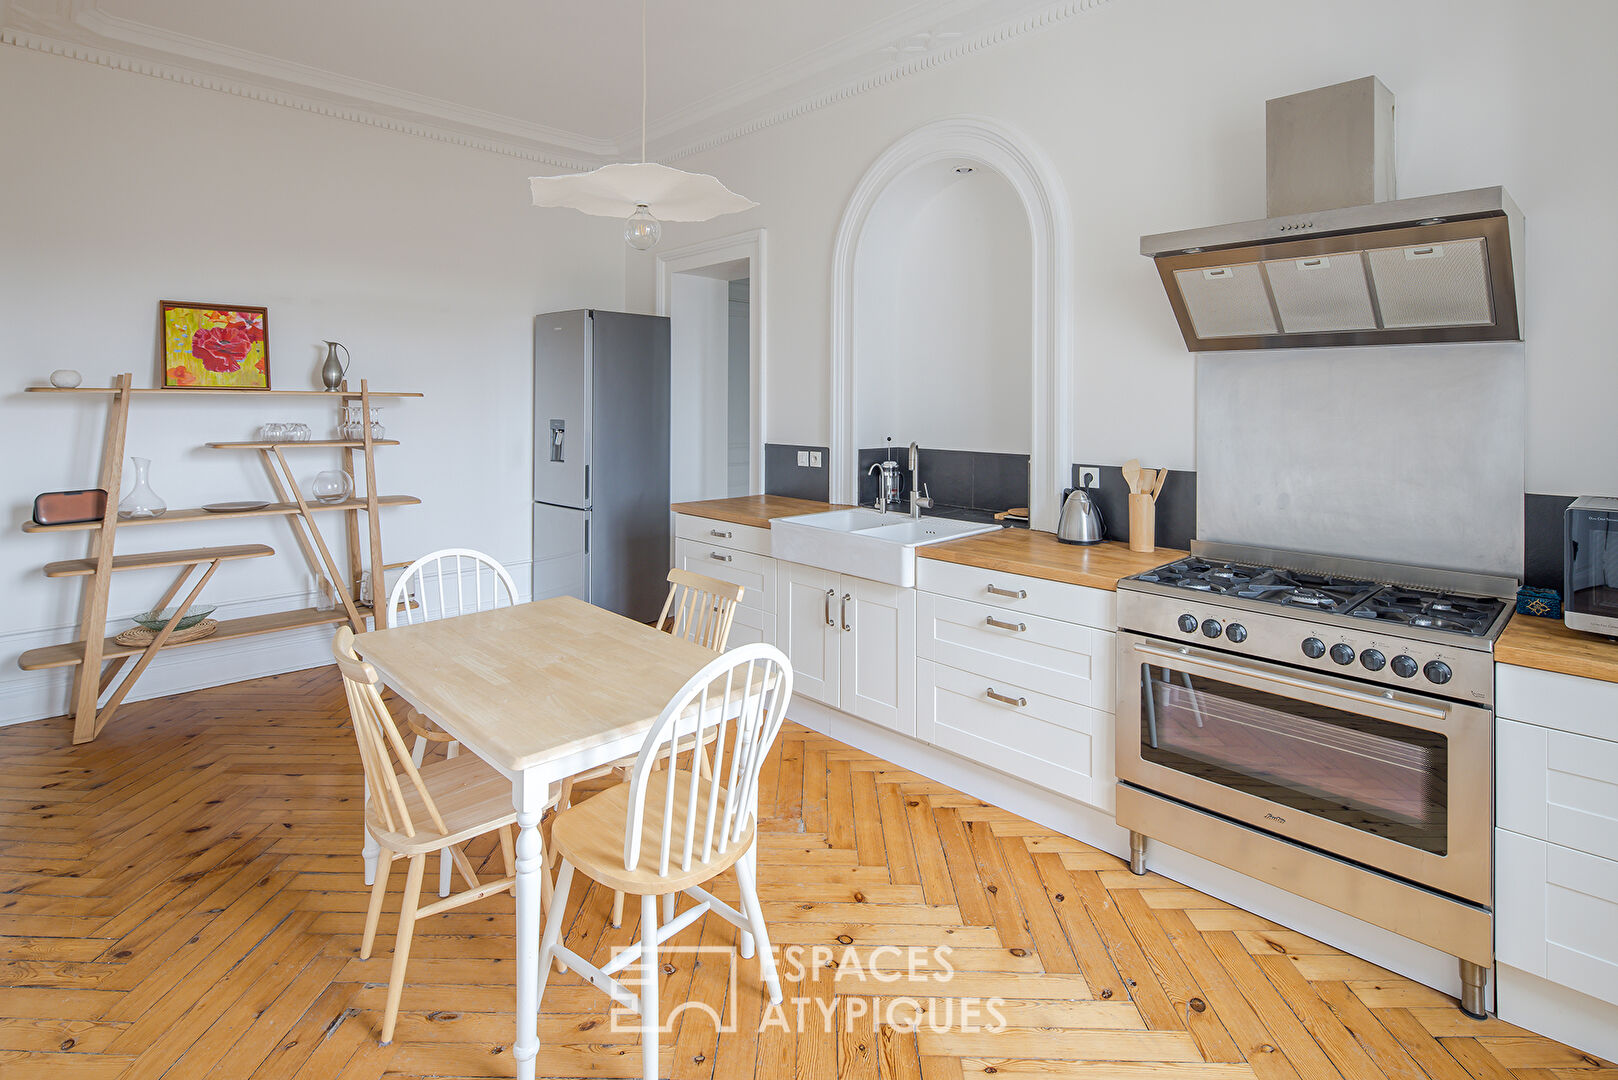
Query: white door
x=877 y=673
x=807 y=604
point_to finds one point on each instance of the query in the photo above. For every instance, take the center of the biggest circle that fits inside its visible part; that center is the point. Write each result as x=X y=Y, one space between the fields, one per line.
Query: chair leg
x=401 y=944
x=668 y=908
x=648 y=987
x=565 y=798
x=373 y=914
x=464 y=865
x=554 y=914
x=508 y=854
x=617 y=910
x=755 y=915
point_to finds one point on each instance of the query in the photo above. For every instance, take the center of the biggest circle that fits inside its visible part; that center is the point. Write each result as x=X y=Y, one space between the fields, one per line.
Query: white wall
x=738 y=388
x=426 y=260
x=943 y=319
x=1152 y=112
x=699 y=345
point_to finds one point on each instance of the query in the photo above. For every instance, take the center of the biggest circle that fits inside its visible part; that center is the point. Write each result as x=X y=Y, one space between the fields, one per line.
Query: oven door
x=1395 y=781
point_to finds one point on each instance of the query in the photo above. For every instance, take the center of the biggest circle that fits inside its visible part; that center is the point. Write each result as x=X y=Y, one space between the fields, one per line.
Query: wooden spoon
x=1132 y=475
x=1157 y=488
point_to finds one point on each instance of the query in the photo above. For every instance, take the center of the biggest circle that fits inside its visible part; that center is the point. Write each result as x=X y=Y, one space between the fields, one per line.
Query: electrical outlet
x=814 y=459
x=1089 y=476
x=803 y=459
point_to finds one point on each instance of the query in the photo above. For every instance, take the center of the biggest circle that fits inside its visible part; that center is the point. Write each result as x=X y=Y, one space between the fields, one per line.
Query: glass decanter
x=142 y=501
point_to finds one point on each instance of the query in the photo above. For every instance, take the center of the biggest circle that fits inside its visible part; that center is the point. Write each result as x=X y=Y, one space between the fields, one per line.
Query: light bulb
x=642 y=231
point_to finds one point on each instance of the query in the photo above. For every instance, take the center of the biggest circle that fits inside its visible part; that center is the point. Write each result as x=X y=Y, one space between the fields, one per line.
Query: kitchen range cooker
x=1323 y=724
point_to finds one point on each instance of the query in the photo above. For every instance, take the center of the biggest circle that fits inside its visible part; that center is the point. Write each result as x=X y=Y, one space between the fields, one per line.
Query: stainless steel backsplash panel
x=1402 y=454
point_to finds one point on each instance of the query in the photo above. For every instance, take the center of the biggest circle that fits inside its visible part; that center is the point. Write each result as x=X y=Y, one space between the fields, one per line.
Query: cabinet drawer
x=1061 y=659
x=1553 y=700
x=1555 y=913
x=1558 y=787
x=722 y=533
x=1014 y=592
x=1045 y=740
x=754 y=573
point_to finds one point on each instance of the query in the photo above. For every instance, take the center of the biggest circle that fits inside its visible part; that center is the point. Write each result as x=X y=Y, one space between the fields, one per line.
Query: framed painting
x=215 y=346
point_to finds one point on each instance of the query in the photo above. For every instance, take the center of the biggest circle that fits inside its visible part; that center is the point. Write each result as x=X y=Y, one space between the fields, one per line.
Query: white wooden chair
x=672 y=830
x=438 y=582
x=699 y=609
x=435 y=807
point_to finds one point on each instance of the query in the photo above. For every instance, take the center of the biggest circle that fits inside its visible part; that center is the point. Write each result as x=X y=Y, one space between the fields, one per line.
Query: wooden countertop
x=1548 y=645
x=1041 y=555
x=754 y=510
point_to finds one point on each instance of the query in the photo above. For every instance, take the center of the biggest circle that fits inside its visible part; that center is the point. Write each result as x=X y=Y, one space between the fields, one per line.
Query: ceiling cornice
x=79 y=30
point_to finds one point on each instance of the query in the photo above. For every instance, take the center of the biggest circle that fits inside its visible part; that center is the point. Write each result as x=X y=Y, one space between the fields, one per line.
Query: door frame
x=750 y=246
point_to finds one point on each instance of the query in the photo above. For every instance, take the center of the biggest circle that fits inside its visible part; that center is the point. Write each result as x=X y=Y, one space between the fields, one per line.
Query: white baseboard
x=1098 y=828
x=1582 y=1022
x=35 y=695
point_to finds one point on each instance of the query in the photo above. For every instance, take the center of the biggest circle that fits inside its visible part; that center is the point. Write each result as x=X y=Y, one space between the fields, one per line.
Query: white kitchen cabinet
x=851 y=642
x=755 y=613
x=1556 y=836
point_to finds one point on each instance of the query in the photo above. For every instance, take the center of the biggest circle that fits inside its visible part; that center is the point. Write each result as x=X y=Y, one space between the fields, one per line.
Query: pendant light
x=645 y=194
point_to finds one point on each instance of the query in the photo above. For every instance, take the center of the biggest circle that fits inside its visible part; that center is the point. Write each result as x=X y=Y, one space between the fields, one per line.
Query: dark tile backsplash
x=965 y=479
x=1542 y=540
x=784 y=476
x=1176 y=506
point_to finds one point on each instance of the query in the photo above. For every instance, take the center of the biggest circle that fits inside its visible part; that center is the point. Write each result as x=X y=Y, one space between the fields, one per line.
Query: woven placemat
x=139 y=635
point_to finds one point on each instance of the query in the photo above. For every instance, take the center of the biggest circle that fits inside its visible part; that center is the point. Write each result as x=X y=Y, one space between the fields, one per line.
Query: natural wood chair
x=699 y=609
x=434 y=808
x=673 y=830
x=438 y=582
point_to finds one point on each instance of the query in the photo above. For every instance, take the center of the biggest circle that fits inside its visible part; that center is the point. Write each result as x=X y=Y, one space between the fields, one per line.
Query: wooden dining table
x=541 y=691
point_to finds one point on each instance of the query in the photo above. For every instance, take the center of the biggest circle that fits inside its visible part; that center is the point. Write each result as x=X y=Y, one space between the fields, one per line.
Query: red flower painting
x=209 y=346
x=221 y=348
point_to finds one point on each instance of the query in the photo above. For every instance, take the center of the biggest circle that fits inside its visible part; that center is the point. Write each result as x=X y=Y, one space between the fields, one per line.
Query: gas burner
x=1316 y=592
x=1469 y=615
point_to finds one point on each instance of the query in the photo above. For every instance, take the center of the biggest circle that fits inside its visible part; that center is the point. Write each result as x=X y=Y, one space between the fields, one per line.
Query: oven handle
x=1363 y=700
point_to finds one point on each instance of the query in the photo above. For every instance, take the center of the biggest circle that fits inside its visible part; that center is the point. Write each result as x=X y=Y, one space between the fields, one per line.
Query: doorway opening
x=713 y=296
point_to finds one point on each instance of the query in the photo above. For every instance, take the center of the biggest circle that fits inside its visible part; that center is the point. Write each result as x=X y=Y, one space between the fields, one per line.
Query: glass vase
x=142 y=501
x=331 y=486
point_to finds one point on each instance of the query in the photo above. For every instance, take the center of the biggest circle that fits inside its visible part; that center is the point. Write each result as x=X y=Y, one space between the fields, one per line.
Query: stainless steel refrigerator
x=601 y=459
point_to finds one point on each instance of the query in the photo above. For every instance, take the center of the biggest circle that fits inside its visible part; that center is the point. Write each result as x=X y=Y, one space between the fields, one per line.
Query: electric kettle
x=1080 y=521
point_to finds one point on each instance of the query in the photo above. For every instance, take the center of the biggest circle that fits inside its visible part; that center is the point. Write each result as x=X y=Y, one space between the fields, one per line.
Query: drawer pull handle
x=831 y=594
x=843 y=611
x=1015 y=594
x=1019 y=702
x=721 y=535
x=716 y=557
x=1014 y=627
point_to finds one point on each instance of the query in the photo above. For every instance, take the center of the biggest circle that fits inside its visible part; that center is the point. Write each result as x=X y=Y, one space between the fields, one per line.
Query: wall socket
x=803 y=459
x=814 y=459
x=1089 y=476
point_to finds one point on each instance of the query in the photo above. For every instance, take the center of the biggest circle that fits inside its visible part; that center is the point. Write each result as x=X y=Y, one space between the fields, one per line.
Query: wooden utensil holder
x=1142 y=523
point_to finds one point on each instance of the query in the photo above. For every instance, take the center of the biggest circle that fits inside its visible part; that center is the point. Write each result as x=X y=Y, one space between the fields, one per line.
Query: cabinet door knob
x=1019 y=702
x=1015 y=594
x=1014 y=627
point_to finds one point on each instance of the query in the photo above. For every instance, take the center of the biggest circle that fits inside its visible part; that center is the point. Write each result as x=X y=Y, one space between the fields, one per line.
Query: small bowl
x=156 y=620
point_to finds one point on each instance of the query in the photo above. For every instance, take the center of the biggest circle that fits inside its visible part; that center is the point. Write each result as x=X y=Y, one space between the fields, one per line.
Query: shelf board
x=72 y=653
x=205 y=390
x=355 y=444
x=268 y=510
x=150 y=559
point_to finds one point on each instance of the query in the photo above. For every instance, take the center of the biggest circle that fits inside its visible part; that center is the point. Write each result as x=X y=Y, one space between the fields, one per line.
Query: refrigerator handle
x=587 y=483
x=587 y=536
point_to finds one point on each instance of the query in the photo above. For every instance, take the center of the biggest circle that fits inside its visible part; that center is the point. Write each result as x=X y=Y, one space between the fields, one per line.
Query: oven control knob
x=1437 y=671
x=1211 y=628
x=1236 y=632
x=1188 y=624
x=1314 y=648
x=1342 y=654
x=1405 y=666
x=1373 y=660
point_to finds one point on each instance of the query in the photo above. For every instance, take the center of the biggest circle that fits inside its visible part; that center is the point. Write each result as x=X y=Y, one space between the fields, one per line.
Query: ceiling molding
x=79 y=30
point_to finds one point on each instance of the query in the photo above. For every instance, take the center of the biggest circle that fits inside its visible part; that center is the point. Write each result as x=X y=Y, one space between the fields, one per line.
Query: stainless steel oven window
x=1382 y=778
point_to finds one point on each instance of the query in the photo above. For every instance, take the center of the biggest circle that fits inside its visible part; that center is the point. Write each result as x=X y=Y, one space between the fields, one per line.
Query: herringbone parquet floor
x=182 y=898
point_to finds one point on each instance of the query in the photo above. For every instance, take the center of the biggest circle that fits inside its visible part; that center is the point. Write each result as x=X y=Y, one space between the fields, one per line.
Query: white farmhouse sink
x=864 y=543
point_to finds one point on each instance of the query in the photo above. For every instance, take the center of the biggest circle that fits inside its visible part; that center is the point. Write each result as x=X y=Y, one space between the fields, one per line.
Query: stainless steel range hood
x=1350 y=271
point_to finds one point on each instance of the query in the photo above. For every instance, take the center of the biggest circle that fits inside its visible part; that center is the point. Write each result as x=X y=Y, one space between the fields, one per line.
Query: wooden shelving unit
x=97 y=657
